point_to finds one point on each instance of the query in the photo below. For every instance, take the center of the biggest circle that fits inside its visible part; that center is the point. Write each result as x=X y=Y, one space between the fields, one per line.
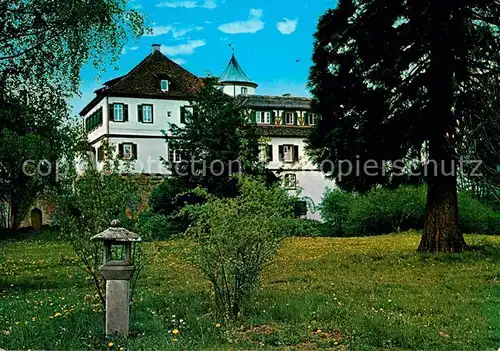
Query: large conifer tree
x=396 y=80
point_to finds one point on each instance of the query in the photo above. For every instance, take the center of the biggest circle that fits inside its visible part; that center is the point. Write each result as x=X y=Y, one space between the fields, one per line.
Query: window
x=127 y=151
x=264 y=117
x=164 y=85
x=118 y=112
x=289 y=153
x=93 y=121
x=100 y=154
x=244 y=91
x=265 y=153
x=169 y=114
x=290 y=181
x=310 y=118
x=147 y=113
x=288 y=117
x=187 y=112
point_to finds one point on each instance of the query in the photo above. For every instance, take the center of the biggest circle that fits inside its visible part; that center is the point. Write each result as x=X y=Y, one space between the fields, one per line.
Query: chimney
x=156 y=47
x=287 y=95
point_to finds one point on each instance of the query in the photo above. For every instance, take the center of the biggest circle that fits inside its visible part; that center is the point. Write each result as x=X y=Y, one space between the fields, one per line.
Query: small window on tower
x=164 y=85
x=244 y=91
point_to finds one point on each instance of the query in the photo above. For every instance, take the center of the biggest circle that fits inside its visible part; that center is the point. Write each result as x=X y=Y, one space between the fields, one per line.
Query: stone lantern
x=117 y=269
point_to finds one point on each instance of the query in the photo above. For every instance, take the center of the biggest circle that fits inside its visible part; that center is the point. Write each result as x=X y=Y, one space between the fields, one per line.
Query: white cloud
x=287 y=26
x=183 y=49
x=252 y=25
x=178 y=33
x=256 y=13
x=133 y=48
x=188 y=4
x=180 y=61
x=159 y=30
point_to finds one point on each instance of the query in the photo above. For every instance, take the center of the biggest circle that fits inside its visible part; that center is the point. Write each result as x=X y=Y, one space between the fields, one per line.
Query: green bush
x=236 y=237
x=335 y=210
x=376 y=212
x=477 y=217
x=157 y=227
x=309 y=228
x=382 y=211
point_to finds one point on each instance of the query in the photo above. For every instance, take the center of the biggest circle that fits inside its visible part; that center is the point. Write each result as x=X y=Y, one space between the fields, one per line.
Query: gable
x=144 y=81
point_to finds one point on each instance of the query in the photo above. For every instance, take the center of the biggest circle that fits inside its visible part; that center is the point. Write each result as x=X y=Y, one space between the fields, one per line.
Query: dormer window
x=164 y=85
x=244 y=91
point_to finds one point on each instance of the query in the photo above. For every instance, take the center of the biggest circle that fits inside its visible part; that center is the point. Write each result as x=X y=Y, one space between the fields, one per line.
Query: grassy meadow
x=320 y=293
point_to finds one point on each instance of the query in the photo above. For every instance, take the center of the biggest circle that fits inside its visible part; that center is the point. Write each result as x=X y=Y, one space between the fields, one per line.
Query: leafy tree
x=217 y=141
x=395 y=81
x=43 y=46
x=86 y=202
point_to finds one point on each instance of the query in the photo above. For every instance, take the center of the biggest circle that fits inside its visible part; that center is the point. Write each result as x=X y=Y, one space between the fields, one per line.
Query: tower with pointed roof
x=235 y=81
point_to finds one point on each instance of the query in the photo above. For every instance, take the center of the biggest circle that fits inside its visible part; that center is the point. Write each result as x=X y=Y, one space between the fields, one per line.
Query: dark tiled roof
x=144 y=81
x=279 y=102
x=284 y=131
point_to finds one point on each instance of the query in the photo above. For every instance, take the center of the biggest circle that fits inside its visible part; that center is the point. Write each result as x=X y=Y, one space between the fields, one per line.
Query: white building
x=134 y=111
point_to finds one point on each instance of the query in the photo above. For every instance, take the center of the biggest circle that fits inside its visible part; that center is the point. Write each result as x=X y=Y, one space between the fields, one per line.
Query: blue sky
x=268 y=37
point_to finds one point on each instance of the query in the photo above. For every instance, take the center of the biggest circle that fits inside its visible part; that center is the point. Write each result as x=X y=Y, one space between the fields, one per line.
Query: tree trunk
x=441 y=232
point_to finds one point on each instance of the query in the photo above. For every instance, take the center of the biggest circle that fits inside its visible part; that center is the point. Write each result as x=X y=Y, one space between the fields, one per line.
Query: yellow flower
x=175 y=331
x=57 y=314
x=122 y=349
x=318 y=331
x=217 y=325
x=110 y=344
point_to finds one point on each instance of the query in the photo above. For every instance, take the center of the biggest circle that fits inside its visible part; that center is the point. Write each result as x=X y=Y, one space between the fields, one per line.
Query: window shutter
x=111 y=114
x=273 y=117
x=152 y=114
x=140 y=115
x=125 y=113
x=195 y=112
x=295 y=118
x=134 y=151
x=253 y=117
x=87 y=124
x=100 y=116
x=281 y=153
x=295 y=153
x=120 y=150
x=270 y=152
x=183 y=114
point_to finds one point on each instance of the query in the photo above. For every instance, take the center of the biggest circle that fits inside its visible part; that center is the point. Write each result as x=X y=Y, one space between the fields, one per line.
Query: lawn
x=320 y=293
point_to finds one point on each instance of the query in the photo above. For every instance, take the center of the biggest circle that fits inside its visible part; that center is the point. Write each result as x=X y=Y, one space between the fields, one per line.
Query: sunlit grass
x=320 y=293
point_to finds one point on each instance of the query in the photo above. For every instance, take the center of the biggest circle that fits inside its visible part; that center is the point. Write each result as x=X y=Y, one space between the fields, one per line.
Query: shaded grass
x=320 y=293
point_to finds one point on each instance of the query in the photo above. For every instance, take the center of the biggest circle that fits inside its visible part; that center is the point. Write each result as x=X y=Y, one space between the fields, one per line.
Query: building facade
x=133 y=113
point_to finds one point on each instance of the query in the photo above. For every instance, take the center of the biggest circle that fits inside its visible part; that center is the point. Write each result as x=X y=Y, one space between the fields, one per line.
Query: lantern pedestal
x=117 y=271
x=117 y=307
x=117 y=298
